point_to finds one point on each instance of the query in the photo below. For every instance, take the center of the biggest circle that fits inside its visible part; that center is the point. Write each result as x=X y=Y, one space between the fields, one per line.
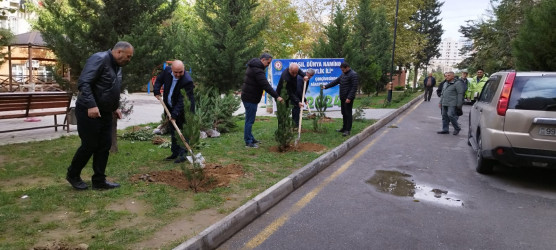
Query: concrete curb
x=219 y=232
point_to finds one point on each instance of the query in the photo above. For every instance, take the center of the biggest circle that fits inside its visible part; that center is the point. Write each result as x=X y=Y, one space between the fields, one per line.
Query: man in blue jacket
x=348 y=87
x=97 y=103
x=174 y=79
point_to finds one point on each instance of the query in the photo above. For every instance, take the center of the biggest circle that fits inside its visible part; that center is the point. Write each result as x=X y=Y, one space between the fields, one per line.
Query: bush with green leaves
x=191 y=128
x=284 y=133
x=215 y=111
x=321 y=103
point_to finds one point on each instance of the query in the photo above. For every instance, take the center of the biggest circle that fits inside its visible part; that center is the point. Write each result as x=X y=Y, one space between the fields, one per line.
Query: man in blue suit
x=174 y=79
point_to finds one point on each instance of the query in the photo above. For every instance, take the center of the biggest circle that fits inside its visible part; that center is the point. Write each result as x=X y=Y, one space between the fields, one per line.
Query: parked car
x=513 y=122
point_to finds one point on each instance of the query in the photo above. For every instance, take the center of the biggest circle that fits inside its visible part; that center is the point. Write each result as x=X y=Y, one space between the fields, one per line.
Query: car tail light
x=505 y=96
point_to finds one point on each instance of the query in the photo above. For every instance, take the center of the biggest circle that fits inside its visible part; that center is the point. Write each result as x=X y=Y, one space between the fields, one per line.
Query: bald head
x=177 y=68
x=293 y=69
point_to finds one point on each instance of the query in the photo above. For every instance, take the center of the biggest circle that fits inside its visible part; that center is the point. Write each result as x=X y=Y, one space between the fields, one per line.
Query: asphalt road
x=407 y=187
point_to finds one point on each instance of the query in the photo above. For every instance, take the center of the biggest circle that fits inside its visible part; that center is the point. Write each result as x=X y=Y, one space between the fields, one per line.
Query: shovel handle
x=176 y=127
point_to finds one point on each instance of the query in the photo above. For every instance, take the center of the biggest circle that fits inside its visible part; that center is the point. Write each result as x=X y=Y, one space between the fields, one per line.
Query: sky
x=456 y=12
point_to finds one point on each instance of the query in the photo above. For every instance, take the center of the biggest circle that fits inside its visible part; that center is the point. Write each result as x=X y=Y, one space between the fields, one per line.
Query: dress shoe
x=340 y=130
x=179 y=159
x=256 y=141
x=77 y=183
x=171 y=157
x=456 y=132
x=443 y=132
x=346 y=133
x=105 y=185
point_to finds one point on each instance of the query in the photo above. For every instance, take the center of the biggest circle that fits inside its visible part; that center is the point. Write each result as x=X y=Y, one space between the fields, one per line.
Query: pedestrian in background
x=174 y=79
x=348 y=81
x=251 y=93
x=450 y=100
x=97 y=103
x=429 y=84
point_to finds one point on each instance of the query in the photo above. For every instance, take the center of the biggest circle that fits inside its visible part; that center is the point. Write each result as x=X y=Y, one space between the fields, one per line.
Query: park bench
x=35 y=104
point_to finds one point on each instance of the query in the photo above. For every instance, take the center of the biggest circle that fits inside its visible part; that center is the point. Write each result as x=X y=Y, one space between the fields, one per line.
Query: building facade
x=449 y=55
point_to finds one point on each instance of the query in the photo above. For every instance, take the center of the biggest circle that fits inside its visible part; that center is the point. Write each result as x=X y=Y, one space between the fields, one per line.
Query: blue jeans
x=449 y=115
x=250 y=114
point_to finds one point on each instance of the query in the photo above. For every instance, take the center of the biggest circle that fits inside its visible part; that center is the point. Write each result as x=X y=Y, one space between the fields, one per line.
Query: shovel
x=194 y=158
x=300 y=115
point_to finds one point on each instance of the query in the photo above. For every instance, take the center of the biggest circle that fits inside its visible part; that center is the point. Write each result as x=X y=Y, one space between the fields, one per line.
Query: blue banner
x=326 y=70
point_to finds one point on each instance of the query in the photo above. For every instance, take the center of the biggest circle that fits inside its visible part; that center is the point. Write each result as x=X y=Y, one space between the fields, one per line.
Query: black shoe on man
x=456 y=132
x=443 y=132
x=180 y=159
x=256 y=141
x=346 y=133
x=77 y=183
x=171 y=157
x=105 y=185
x=340 y=130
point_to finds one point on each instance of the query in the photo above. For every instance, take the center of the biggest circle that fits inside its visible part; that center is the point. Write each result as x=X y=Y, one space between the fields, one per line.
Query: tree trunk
x=114 y=147
x=415 y=72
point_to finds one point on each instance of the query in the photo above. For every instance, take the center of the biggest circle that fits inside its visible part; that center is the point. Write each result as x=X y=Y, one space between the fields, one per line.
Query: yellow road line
x=276 y=224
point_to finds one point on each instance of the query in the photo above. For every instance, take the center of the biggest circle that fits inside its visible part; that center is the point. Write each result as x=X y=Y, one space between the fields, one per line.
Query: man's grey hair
x=450 y=72
x=310 y=72
x=293 y=65
x=122 y=45
x=266 y=56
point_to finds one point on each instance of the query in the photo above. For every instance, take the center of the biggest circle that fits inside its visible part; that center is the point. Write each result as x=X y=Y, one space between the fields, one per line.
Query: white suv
x=514 y=121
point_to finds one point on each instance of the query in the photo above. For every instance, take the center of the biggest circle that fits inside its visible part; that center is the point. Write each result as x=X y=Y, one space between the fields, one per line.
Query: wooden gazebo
x=36 y=52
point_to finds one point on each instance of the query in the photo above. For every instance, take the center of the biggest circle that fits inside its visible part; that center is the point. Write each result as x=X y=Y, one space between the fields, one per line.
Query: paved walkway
x=146 y=109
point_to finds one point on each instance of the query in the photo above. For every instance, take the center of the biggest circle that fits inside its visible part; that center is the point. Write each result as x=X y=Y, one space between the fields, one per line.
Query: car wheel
x=484 y=166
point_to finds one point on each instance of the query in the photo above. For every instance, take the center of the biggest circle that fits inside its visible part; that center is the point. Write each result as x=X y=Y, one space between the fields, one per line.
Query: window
x=488 y=91
x=534 y=93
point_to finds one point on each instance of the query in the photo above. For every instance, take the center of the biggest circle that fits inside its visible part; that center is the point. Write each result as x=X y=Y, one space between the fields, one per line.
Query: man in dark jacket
x=429 y=84
x=348 y=87
x=174 y=79
x=301 y=82
x=97 y=103
x=289 y=76
x=251 y=93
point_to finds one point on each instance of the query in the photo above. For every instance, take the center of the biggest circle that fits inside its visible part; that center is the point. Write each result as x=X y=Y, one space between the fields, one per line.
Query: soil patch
x=216 y=175
x=302 y=147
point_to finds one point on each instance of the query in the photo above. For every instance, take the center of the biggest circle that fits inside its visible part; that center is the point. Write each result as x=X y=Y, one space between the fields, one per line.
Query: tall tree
x=491 y=37
x=284 y=35
x=534 y=47
x=427 y=23
x=334 y=44
x=370 y=44
x=228 y=37
x=75 y=29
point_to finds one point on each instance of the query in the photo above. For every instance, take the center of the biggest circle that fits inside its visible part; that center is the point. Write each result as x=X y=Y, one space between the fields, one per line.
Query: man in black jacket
x=348 y=87
x=429 y=84
x=97 y=102
x=251 y=93
x=174 y=79
x=302 y=82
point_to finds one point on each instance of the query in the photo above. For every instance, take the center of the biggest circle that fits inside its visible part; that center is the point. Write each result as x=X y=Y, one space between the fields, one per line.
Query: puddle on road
x=397 y=183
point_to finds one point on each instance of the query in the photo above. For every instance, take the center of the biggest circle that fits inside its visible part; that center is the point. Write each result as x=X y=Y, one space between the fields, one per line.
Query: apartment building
x=449 y=55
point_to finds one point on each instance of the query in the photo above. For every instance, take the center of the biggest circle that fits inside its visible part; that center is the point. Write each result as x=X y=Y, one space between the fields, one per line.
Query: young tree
x=534 y=47
x=284 y=133
x=228 y=37
x=337 y=33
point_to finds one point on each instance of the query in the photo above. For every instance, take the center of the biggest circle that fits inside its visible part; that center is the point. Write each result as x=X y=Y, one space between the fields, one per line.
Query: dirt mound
x=216 y=175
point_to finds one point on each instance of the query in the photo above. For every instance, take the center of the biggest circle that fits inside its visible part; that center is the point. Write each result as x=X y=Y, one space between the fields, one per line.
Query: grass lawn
x=398 y=99
x=39 y=208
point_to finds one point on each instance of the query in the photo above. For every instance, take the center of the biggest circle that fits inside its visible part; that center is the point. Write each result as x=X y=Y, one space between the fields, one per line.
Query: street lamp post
x=393 y=51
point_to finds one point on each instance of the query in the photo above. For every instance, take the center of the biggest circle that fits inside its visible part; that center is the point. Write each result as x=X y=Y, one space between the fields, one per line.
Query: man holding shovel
x=301 y=90
x=174 y=79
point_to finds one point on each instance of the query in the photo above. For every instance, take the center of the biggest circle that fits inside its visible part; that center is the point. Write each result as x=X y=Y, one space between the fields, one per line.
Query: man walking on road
x=348 y=87
x=251 y=93
x=429 y=84
x=174 y=79
x=450 y=100
x=97 y=103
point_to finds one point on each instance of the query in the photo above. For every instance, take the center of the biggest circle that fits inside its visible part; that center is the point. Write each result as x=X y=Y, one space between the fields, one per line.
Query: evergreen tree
x=6 y=37
x=228 y=37
x=76 y=29
x=427 y=22
x=284 y=133
x=337 y=34
x=534 y=47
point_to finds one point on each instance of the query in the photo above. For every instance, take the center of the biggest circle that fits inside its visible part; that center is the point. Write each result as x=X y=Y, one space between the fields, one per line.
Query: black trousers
x=347 y=114
x=176 y=148
x=96 y=140
x=428 y=93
